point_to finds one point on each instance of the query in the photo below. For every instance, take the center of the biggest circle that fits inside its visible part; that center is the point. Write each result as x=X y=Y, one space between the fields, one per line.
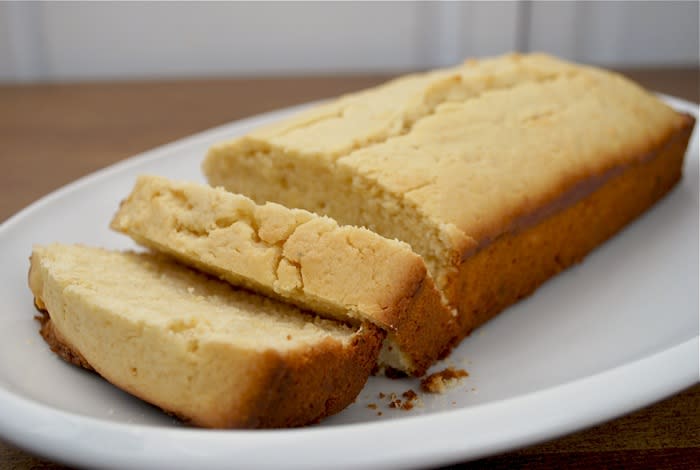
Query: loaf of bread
x=499 y=172
x=208 y=353
x=345 y=273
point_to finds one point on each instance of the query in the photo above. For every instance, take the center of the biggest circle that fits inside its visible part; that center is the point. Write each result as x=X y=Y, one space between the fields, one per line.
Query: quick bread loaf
x=208 y=353
x=499 y=172
x=443 y=197
x=341 y=272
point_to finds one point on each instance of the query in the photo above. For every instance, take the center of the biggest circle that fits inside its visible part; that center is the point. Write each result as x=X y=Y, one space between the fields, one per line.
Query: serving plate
x=613 y=334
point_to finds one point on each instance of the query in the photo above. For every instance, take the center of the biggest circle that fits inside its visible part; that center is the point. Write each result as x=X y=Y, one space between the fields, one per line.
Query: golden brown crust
x=426 y=327
x=302 y=393
x=514 y=264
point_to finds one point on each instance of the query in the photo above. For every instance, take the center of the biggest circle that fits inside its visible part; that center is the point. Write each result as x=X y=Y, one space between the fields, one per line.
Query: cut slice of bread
x=342 y=272
x=210 y=354
x=500 y=172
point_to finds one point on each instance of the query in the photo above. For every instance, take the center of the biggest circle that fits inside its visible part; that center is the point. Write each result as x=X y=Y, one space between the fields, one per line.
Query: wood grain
x=52 y=134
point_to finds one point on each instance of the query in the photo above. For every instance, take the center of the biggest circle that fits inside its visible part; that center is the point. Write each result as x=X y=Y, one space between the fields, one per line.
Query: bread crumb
x=440 y=381
x=394 y=401
x=412 y=399
x=379 y=413
x=409 y=399
x=372 y=406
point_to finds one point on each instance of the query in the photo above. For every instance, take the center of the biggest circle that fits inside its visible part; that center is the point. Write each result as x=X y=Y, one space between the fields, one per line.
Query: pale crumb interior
x=390 y=355
x=325 y=188
x=162 y=294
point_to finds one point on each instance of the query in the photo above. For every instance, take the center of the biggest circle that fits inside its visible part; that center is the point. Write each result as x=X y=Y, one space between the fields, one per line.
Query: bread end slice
x=197 y=361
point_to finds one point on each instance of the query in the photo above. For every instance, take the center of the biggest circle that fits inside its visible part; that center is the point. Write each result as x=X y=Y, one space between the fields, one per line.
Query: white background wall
x=105 y=40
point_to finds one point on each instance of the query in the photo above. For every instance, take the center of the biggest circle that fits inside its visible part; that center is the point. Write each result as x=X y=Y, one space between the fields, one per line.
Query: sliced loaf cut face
x=200 y=349
x=346 y=273
x=455 y=160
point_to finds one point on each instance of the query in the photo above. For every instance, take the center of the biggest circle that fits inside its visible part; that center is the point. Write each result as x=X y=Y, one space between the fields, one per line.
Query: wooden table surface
x=52 y=134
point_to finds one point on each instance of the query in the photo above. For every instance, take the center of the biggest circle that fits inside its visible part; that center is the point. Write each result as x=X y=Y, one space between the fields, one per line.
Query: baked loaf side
x=342 y=272
x=515 y=141
x=201 y=350
x=514 y=264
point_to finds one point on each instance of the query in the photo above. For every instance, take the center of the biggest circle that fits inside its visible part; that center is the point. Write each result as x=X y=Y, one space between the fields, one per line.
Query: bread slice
x=500 y=172
x=346 y=273
x=210 y=354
